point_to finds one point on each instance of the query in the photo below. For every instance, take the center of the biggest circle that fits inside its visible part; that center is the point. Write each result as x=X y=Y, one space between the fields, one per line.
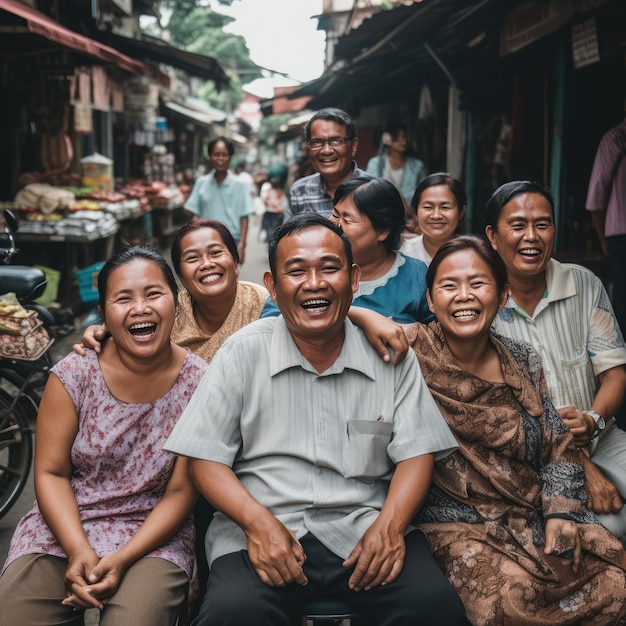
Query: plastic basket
x=88 y=283
x=52 y=285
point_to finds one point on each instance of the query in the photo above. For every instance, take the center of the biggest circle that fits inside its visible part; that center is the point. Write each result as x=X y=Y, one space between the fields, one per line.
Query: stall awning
x=39 y=24
x=205 y=117
x=394 y=52
x=155 y=49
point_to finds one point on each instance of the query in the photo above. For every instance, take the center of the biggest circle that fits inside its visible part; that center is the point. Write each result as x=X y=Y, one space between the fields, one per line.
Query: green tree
x=200 y=29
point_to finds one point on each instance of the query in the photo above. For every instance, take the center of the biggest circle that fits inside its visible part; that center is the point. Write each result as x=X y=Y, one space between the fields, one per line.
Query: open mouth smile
x=530 y=252
x=144 y=330
x=210 y=278
x=465 y=314
x=319 y=305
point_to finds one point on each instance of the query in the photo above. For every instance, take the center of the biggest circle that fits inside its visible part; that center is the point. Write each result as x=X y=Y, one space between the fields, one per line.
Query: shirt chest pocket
x=365 y=449
x=579 y=381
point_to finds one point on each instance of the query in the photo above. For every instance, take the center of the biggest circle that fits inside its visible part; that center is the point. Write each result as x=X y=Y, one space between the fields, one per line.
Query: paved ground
x=252 y=270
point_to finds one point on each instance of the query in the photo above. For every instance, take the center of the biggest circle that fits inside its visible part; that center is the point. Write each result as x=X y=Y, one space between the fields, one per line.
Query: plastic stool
x=328 y=610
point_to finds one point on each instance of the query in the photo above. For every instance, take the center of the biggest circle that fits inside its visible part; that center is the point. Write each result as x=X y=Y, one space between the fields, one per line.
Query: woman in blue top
x=371 y=213
x=395 y=164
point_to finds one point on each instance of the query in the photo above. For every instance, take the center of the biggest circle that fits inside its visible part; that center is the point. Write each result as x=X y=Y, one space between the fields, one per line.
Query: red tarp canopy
x=39 y=24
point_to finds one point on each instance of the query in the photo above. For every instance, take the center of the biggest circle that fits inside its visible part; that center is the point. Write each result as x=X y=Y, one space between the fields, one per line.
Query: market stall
x=70 y=228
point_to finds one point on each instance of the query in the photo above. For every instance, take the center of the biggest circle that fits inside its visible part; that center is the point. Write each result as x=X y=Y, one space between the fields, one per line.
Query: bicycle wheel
x=16 y=452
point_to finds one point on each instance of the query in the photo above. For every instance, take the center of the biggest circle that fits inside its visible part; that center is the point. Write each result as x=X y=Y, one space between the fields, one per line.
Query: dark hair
x=506 y=192
x=227 y=142
x=332 y=115
x=126 y=255
x=301 y=221
x=394 y=127
x=478 y=245
x=435 y=180
x=380 y=201
x=176 y=250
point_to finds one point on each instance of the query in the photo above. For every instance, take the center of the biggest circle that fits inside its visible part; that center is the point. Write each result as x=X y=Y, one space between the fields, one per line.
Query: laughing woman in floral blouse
x=111 y=528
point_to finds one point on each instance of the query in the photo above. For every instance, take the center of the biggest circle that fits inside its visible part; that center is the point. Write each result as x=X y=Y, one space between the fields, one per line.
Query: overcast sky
x=281 y=35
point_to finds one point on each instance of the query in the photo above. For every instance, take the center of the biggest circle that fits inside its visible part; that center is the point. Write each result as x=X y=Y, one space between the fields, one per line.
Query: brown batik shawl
x=485 y=515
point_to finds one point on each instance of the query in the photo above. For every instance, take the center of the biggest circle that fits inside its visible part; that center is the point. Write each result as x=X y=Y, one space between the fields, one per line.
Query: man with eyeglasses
x=332 y=144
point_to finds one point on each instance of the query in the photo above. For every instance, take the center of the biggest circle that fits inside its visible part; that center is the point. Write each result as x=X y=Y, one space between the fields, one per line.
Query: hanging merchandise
x=141 y=103
x=83 y=118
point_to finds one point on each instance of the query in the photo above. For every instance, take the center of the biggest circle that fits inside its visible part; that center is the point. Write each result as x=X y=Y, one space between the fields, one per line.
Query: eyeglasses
x=333 y=142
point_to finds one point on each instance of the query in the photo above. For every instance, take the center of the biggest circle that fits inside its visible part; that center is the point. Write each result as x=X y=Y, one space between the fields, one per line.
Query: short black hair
x=435 y=180
x=506 y=192
x=394 y=127
x=126 y=255
x=230 y=146
x=176 y=251
x=469 y=242
x=331 y=114
x=301 y=221
x=380 y=201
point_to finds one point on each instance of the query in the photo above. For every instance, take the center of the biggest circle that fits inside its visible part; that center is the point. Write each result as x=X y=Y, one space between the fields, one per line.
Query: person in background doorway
x=395 y=164
x=219 y=195
x=606 y=199
x=332 y=144
x=439 y=204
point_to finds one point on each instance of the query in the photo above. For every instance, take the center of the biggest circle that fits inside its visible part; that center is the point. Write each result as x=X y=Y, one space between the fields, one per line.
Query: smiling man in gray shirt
x=316 y=454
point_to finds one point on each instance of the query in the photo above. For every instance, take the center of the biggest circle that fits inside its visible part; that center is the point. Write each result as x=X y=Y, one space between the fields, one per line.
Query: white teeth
x=211 y=278
x=320 y=301
x=533 y=251
x=465 y=314
x=316 y=306
x=142 y=325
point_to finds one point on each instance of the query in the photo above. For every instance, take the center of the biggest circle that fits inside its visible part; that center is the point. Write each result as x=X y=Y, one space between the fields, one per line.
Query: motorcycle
x=21 y=380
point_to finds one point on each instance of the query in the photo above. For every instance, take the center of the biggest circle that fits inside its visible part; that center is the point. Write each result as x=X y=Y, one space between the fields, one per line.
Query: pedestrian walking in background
x=221 y=196
x=274 y=200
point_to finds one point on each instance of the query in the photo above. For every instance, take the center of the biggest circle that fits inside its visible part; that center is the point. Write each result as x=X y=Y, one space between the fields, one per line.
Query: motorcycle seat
x=26 y=282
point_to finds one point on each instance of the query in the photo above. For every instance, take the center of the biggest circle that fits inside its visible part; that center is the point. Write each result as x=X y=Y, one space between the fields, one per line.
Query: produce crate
x=88 y=283
x=52 y=285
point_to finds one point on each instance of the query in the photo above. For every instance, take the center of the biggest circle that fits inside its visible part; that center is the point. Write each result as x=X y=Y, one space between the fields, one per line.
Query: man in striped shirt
x=332 y=144
x=564 y=313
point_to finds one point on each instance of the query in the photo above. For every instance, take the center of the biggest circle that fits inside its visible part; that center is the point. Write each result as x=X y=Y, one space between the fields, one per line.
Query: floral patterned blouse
x=120 y=469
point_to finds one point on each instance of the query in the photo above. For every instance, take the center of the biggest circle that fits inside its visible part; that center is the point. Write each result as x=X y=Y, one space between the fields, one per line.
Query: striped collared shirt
x=309 y=194
x=574 y=330
x=317 y=450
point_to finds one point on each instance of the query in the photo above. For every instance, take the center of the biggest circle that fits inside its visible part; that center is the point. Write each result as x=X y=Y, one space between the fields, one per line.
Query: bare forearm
x=610 y=396
x=165 y=520
x=167 y=517
x=381 y=332
x=59 y=509
x=221 y=487
x=244 y=231
x=407 y=491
